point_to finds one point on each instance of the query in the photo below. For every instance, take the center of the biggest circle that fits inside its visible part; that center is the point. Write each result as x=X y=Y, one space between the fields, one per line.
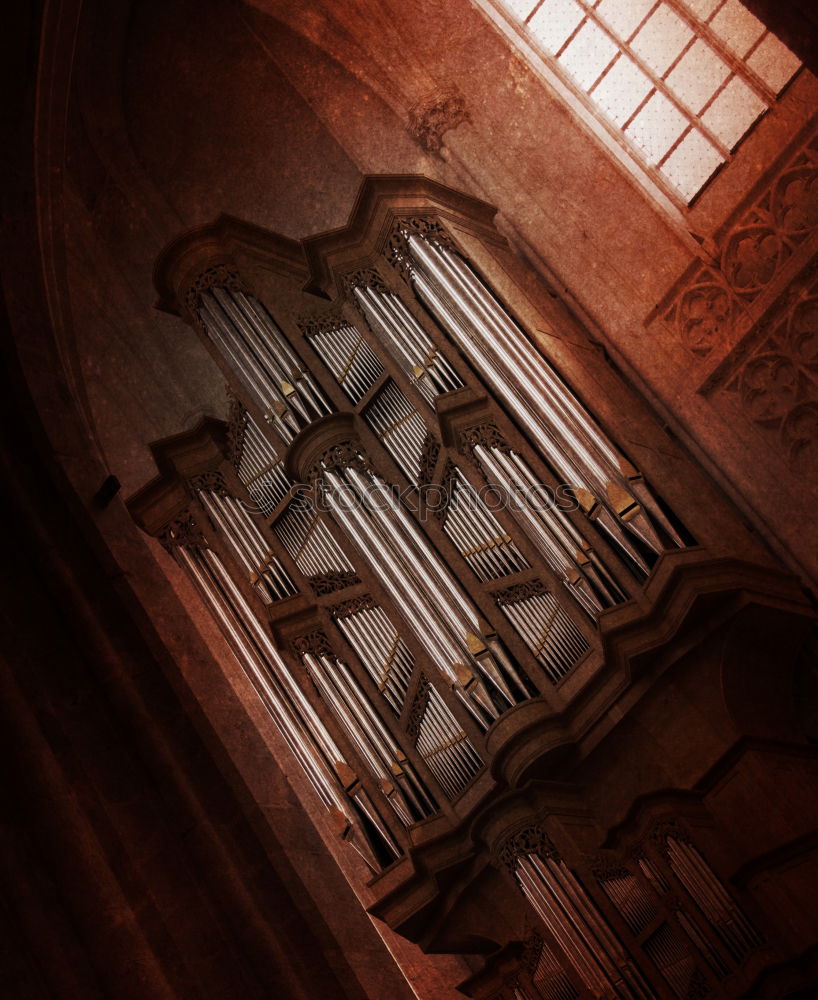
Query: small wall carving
x=436 y=114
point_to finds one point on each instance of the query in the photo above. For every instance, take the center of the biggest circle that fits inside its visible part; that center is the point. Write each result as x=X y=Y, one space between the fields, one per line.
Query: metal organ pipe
x=259 y=355
x=349 y=357
x=303 y=731
x=408 y=343
x=566 y=434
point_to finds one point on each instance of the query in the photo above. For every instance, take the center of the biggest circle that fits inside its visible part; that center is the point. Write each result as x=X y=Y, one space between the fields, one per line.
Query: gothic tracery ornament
x=397 y=251
x=340 y=456
x=312 y=325
x=209 y=482
x=418 y=709
x=236 y=429
x=328 y=583
x=428 y=459
x=366 y=277
x=485 y=435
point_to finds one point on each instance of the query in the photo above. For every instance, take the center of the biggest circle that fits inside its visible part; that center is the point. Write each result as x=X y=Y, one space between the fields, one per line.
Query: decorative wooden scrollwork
x=397 y=251
x=328 y=583
x=604 y=868
x=236 y=429
x=315 y=643
x=428 y=459
x=312 y=325
x=486 y=435
x=519 y=592
x=524 y=841
x=184 y=531
x=366 y=277
x=353 y=606
x=339 y=456
x=218 y=276
x=212 y=482
x=418 y=709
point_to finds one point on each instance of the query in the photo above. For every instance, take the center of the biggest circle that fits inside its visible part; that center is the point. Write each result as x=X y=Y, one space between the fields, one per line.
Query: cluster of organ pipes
x=398 y=780
x=263 y=567
x=259 y=467
x=432 y=624
x=444 y=745
x=582 y=933
x=347 y=355
x=552 y=637
x=444 y=620
x=382 y=651
x=479 y=537
x=309 y=740
x=408 y=343
x=309 y=542
x=562 y=546
x=399 y=427
x=609 y=490
x=258 y=353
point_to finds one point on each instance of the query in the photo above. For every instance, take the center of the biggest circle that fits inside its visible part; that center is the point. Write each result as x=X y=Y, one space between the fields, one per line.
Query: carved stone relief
x=777 y=381
x=436 y=114
x=710 y=310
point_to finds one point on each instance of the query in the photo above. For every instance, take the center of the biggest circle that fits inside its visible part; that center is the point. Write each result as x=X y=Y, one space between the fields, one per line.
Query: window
x=681 y=83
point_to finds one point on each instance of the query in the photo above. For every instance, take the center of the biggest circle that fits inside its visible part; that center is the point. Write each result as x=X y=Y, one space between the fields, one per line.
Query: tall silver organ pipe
x=399 y=427
x=302 y=729
x=255 y=349
x=375 y=745
x=567 y=553
x=348 y=356
x=477 y=534
x=408 y=343
x=703 y=885
x=550 y=634
x=580 y=929
x=310 y=543
x=444 y=620
x=441 y=741
x=260 y=468
x=381 y=650
x=566 y=434
x=263 y=568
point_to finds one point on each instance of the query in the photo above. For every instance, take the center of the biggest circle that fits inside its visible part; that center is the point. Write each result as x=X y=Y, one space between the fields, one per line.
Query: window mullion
x=736 y=64
x=658 y=83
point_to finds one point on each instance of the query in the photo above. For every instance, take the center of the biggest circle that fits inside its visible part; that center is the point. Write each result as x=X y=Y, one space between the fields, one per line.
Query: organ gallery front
x=532 y=662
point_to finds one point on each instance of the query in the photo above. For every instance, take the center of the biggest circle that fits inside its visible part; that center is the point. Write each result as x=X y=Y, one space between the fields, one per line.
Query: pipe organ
x=420 y=541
